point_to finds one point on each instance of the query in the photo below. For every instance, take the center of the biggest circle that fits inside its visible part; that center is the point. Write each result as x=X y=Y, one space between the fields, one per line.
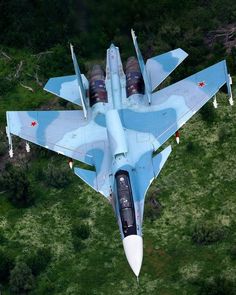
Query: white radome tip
x=133 y=246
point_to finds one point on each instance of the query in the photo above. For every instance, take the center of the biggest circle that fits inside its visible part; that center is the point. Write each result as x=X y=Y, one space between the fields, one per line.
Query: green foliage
x=3 y=144
x=2 y=238
x=90 y=26
x=6 y=86
x=21 y=278
x=57 y=176
x=6 y=264
x=57 y=63
x=217 y=286
x=153 y=207
x=3 y=148
x=223 y=134
x=205 y=234
x=186 y=195
x=39 y=260
x=80 y=232
x=232 y=252
x=35 y=29
x=16 y=181
x=83 y=213
x=192 y=148
x=42 y=152
x=208 y=113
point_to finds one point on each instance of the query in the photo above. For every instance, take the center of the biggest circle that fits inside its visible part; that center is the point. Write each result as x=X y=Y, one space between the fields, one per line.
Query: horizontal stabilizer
x=142 y=67
x=66 y=87
x=159 y=160
x=161 y=66
x=87 y=176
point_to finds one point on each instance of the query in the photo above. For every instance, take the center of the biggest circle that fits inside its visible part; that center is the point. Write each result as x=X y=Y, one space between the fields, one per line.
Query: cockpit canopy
x=125 y=201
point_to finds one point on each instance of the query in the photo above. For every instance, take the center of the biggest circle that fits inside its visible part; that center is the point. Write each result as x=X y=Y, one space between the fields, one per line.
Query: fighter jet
x=124 y=120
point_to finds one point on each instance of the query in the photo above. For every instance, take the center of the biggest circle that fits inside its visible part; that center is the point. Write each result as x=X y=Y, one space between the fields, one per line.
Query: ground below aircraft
x=123 y=122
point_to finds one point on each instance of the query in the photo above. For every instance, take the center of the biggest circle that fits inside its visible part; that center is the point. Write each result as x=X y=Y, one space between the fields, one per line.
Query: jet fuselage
x=125 y=195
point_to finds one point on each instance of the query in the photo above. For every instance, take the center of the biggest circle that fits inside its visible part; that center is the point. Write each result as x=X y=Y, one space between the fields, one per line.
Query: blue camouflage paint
x=167 y=61
x=151 y=122
x=54 y=84
x=100 y=119
x=98 y=156
x=41 y=128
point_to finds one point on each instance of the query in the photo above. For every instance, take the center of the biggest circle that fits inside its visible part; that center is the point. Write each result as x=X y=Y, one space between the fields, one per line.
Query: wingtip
x=184 y=52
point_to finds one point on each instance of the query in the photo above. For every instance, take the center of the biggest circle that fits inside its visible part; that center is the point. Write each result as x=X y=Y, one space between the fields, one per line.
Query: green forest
x=58 y=236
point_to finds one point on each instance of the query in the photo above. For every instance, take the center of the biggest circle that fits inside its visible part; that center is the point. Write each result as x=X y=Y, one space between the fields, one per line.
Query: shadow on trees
x=15 y=180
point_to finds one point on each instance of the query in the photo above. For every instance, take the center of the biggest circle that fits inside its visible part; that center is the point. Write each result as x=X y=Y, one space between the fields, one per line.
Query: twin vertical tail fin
x=157 y=68
x=142 y=67
x=71 y=88
x=82 y=90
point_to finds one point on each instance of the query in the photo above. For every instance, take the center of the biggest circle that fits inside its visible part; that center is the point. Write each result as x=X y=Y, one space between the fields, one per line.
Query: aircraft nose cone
x=133 y=246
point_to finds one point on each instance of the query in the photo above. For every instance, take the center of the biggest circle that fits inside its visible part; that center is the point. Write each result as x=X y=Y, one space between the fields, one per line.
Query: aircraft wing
x=174 y=105
x=67 y=133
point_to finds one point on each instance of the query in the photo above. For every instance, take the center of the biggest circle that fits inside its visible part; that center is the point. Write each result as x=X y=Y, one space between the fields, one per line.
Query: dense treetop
x=92 y=25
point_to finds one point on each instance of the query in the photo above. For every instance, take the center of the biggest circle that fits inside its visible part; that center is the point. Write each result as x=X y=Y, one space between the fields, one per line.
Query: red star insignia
x=201 y=84
x=33 y=123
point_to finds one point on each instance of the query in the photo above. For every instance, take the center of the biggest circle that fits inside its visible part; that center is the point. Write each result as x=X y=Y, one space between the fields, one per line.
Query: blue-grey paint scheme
x=122 y=134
